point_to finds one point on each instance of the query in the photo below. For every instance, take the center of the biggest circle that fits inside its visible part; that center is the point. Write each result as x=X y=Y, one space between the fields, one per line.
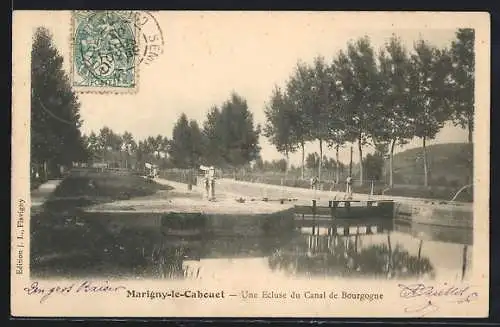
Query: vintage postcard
x=250 y=164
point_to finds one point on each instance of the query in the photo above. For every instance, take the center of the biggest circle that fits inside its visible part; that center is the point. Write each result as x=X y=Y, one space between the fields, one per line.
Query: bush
x=106 y=184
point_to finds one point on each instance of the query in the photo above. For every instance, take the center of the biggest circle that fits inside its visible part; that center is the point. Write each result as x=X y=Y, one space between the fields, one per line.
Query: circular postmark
x=111 y=44
x=150 y=41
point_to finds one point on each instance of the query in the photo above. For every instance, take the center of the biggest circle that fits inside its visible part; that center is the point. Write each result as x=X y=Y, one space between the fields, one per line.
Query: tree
x=128 y=146
x=141 y=152
x=186 y=147
x=259 y=164
x=329 y=163
x=392 y=124
x=462 y=102
x=213 y=138
x=312 y=160
x=374 y=164
x=337 y=127
x=235 y=137
x=280 y=165
x=109 y=141
x=158 y=145
x=181 y=145
x=322 y=95
x=196 y=140
x=279 y=121
x=429 y=90
x=56 y=139
x=128 y=142
x=297 y=87
x=359 y=82
x=93 y=146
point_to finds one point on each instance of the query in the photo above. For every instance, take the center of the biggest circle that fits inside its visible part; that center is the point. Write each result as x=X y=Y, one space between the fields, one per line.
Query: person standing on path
x=314 y=183
x=211 y=176
x=349 y=187
x=206 y=181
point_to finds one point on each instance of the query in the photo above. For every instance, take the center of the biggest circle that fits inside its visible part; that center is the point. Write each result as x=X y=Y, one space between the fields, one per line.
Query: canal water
x=65 y=245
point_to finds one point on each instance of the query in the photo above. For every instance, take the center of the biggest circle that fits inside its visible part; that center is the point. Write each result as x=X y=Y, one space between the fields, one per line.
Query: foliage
x=212 y=135
x=296 y=87
x=378 y=97
x=429 y=87
x=231 y=135
x=279 y=123
x=374 y=165
x=462 y=101
x=312 y=160
x=186 y=145
x=360 y=85
x=56 y=139
x=385 y=98
x=392 y=122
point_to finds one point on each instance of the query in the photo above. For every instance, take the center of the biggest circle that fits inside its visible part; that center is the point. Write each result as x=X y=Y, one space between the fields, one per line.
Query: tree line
x=312 y=161
x=228 y=138
x=384 y=98
x=360 y=96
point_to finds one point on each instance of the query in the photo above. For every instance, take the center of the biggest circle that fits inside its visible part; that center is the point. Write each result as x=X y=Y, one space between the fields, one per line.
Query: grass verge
x=61 y=237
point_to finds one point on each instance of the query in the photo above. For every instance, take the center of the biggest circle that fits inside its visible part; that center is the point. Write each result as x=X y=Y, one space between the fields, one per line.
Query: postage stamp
x=266 y=164
x=109 y=46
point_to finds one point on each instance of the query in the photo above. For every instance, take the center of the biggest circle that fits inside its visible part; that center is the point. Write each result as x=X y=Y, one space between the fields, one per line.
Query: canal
x=64 y=243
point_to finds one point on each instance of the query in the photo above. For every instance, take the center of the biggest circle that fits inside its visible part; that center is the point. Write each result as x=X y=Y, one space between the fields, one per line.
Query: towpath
x=41 y=194
x=259 y=190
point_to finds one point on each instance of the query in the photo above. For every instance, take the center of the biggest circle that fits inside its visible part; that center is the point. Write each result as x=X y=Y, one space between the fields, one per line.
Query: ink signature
x=87 y=287
x=427 y=297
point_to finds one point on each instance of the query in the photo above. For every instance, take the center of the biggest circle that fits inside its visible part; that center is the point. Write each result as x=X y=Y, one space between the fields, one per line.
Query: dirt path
x=275 y=191
x=183 y=200
x=221 y=193
x=40 y=195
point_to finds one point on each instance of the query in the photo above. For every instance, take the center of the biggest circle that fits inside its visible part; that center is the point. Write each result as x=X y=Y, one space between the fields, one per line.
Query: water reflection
x=67 y=245
x=346 y=257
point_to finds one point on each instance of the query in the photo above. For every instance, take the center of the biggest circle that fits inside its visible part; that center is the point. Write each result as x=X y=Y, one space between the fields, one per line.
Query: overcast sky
x=209 y=55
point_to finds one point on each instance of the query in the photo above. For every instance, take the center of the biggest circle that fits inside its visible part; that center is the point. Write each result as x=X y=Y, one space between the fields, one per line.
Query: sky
x=208 y=55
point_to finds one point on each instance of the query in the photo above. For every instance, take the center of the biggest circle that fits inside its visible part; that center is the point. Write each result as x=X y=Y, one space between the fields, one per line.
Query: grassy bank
x=60 y=237
x=106 y=184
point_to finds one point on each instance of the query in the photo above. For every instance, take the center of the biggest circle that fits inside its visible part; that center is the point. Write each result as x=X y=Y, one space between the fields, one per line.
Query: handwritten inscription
x=432 y=296
x=84 y=287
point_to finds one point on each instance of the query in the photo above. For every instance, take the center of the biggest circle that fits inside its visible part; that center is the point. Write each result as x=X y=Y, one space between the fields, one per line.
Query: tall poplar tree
x=56 y=139
x=429 y=91
x=279 y=124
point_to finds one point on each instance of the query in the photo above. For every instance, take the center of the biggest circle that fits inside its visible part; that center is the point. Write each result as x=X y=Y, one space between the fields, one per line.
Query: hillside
x=448 y=165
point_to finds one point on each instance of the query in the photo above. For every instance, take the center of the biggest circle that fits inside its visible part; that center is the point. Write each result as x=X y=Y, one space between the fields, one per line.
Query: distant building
x=100 y=165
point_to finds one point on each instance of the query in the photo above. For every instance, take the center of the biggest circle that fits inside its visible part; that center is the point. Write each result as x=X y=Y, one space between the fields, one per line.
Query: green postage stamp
x=104 y=51
x=107 y=48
